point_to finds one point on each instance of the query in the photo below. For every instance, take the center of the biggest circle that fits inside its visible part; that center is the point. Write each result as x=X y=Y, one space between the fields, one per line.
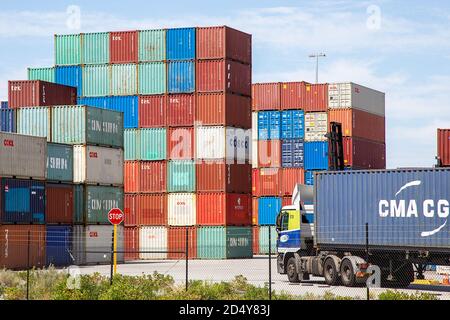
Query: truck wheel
x=330 y=272
x=348 y=273
x=292 y=271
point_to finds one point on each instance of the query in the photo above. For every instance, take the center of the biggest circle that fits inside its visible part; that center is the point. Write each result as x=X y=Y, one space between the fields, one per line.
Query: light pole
x=317 y=56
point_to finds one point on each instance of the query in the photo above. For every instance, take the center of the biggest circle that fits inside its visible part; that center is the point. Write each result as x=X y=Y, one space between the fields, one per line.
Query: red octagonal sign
x=115 y=216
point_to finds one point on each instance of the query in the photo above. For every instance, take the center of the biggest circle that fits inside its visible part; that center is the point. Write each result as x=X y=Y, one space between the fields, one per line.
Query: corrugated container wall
x=59 y=162
x=181 y=76
x=152 y=78
x=269 y=153
x=99 y=200
x=8 y=120
x=44 y=74
x=128 y=105
x=152 y=111
x=215 y=176
x=266 y=96
x=292 y=124
x=124 y=79
x=68 y=49
x=153 y=144
x=70 y=76
x=153 y=177
x=130 y=209
x=177 y=242
x=224 y=242
x=131 y=240
x=180 y=44
x=34 y=121
x=152 y=209
x=360 y=153
x=95 y=48
x=182 y=209
x=181 y=110
x=293 y=153
x=123 y=47
x=268 y=209
x=266 y=182
x=152 y=45
x=153 y=239
x=444 y=146
x=59 y=204
x=59 y=245
x=96 y=80
x=316 y=156
x=223 y=209
x=181 y=176
x=181 y=143
x=264 y=242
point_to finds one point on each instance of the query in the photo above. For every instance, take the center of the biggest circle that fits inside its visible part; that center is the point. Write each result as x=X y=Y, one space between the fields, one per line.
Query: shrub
x=400 y=295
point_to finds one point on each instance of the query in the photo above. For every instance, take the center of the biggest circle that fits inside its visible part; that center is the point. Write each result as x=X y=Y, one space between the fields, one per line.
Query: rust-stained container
x=266 y=96
x=131 y=209
x=266 y=182
x=364 y=154
x=153 y=177
x=35 y=93
x=289 y=178
x=132 y=176
x=305 y=96
x=181 y=110
x=131 y=241
x=14 y=246
x=444 y=146
x=361 y=124
x=224 y=209
x=177 y=242
x=269 y=153
x=224 y=76
x=123 y=47
x=254 y=211
x=224 y=109
x=180 y=143
x=152 y=209
x=219 y=176
x=224 y=43
x=152 y=111
x=255 y=239
x=59 y=204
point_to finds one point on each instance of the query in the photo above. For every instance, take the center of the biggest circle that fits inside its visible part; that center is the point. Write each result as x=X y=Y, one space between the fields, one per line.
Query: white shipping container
x=182 y=209
x=218 y=142
x=254 y=125
x=316 y=126
x=23 y=156
x=98 y=165
x=92 y=244
x=153 y=239
x=351 y=95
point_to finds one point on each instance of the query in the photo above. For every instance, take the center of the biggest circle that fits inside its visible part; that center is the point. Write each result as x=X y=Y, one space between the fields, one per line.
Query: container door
x=37 y=202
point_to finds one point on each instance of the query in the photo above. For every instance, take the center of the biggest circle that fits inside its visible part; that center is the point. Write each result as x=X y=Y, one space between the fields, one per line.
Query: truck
x=352 y=222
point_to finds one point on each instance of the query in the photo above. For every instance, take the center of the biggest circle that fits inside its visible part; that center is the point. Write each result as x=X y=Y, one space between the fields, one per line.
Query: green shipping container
x=44 y=74
x=153 y=144
x=123 y=79
x=181 y=176
x=131 y=144
x=96 y=80
x=78 y=204
x=68 y=49
x=224 y=242
x=98 y=200
x=152 y=78
x=95 y=48
x=264 y=239
x=87 y=125
x=34 y=121
x=152 y=45
x=59 y=162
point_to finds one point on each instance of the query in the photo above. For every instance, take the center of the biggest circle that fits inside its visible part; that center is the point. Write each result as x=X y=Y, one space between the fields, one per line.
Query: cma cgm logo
x=429 y=208
x=8 y=143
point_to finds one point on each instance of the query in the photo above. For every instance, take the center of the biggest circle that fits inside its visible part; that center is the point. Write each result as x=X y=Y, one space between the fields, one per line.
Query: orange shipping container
x=222 y=177
x=444 y=146
x=152 y=209
x=266 y=182
x=123 y=47
x=266 y=96
x=181 y=110
x=177 y=242
x=132 y=175
x=303 y=95
x=153 y=176
x=131 y=209
x=152 y=111
x=269 y=153
x=224 y=209
x=180 y=143
x=131 y=239
x=289 y=178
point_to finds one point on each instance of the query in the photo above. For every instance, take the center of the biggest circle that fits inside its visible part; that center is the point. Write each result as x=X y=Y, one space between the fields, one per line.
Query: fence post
x=367 y=256
x=28 y=266
x=187 y=257
x=112 y=259
x=270 y=263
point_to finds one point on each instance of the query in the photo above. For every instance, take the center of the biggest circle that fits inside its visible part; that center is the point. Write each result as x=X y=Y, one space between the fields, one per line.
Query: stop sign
x=115 y=216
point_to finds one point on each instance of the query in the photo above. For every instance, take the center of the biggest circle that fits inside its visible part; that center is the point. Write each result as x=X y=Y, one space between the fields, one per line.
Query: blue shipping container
x=180 y=44
x=268 y=209
x=4 y=105
x=99 y=102
x=59 y=245
x=292 y=153
x=70 y=76
x=316 y=156
x=8 y=120
x=292 y=124
x=129 y=106
x=309 y=178
x=181 y=77
x=22 y=201
x=403 y=208
x=269 y=125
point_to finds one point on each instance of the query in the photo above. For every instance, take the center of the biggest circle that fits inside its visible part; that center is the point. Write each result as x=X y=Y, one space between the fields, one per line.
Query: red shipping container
x=131 y=209
x=14 y=246
x=152 y=111
x=152 y=209
x=316 y=97
x=181 y=110
x=303 y=95
x=286 y=201
x=35 y=93
x=361 y=124
x=266 y=96
x=364 y=154
x=176 y=239
x=180 y=143
x=131 y=239
x=224 y=76
x=222 y=109
x=132 y=175
x=255 y=211
x=289 y=178
x=123 y=47
x=222 y=43
x=219 y=176
x=59 y=204
x=224 y=209
x=153 y=176
x=266 y=182
x=255 y=234
x=444 y=146
x=269 y=153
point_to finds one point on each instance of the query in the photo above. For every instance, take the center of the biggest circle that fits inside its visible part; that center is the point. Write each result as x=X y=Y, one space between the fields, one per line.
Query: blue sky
x=399 y=47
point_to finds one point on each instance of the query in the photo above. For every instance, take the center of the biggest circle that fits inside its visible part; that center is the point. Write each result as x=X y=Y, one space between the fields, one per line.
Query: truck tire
x=291 y=271
x=348 y=276
x=330 y=272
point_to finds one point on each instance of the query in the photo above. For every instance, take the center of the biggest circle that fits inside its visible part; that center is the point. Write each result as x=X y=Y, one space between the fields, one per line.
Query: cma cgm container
x=8 y=120
x=152 y=111
x=35 y=93
x=22 y=201
x=180 y=44
x=224 y=43
x=98 y=165
x=14 y=247
x=152 y=209
x=219 y=176
x=59 y=162
x=444 y=147
x=268 y=209
x=59 y=245
x=224 y=209
x=23 y=156
x=59 y=204
x=224 y=242
x=181 y=110
x=87 y=125
x=123 y=46
x=180 y=143
x=266 y=182
x=266 y=96
x=98 y=200
x=176 y=242
x=34 y=121
x=182 y=209
x=153 y=242
x=360 y=153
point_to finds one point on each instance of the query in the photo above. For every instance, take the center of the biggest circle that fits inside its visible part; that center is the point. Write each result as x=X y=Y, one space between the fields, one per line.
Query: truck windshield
x=283 y=221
